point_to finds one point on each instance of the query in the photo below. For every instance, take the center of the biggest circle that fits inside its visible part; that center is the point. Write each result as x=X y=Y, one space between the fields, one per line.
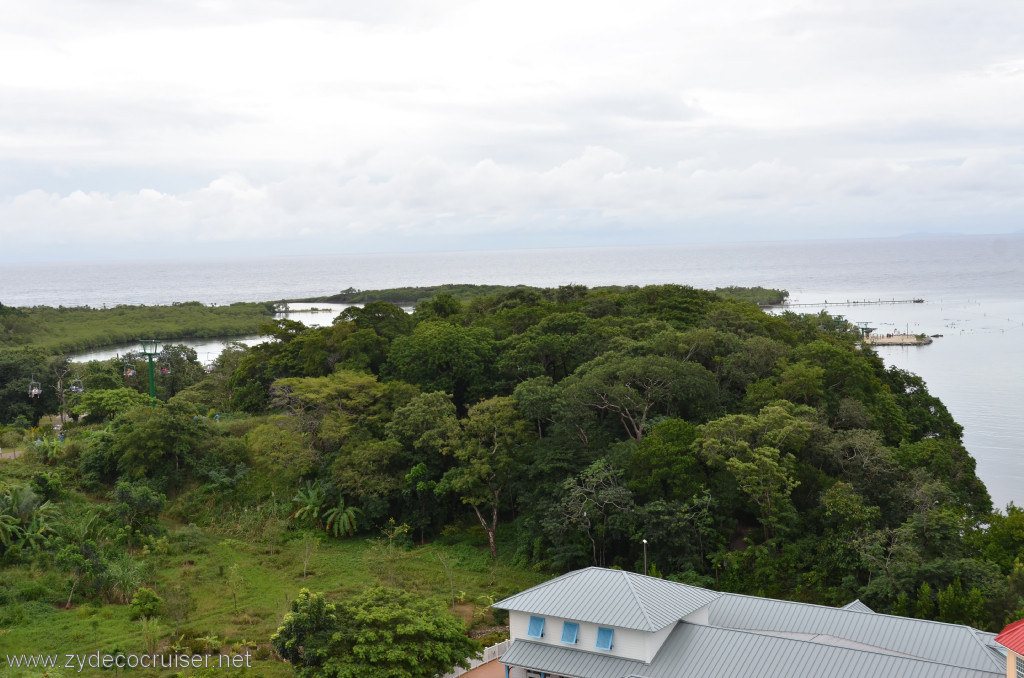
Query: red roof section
x=1013 y=637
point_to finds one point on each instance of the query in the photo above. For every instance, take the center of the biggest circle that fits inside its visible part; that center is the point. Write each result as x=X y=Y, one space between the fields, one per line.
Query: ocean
x=972 y=287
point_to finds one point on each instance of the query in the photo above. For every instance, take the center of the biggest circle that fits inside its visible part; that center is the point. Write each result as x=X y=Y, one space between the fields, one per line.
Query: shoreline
x=898 y=340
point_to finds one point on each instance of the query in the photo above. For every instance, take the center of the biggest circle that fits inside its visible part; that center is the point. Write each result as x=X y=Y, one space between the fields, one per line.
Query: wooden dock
x=863 y=302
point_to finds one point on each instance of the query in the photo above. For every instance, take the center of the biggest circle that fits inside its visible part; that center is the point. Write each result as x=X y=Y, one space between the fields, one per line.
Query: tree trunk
x=489 y=529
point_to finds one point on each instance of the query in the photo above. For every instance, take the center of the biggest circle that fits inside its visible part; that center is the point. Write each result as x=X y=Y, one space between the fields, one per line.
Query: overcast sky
x=169 y=127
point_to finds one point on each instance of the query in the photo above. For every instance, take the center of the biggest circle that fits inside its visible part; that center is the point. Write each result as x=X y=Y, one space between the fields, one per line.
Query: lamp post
x=150 y=348
x=645 y=556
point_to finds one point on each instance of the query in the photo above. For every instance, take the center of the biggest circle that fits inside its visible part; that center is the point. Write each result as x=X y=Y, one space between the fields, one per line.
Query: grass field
x=266 y=573
x=81 y=328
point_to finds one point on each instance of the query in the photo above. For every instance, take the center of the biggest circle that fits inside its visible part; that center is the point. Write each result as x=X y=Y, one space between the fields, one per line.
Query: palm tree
x=10 y=529
x=310 y=500
x=342 y=519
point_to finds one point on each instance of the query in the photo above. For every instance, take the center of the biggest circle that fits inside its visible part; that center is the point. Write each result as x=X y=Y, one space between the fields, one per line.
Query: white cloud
x=459 y=123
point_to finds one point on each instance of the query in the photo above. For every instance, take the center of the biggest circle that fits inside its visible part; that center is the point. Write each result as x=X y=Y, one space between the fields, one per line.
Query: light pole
x=150 y=348
x=645 y=556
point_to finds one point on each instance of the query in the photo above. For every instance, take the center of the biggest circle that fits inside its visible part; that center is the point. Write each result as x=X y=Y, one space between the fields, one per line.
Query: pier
x=865 y=302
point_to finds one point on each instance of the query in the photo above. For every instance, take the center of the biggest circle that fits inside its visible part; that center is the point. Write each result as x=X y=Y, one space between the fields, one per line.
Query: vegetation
x=79 y=328
x=757 y=295
x=469 y=450
x=412 y=295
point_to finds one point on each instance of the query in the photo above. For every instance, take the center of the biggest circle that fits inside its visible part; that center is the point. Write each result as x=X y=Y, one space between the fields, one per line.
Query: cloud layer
x=263 y=127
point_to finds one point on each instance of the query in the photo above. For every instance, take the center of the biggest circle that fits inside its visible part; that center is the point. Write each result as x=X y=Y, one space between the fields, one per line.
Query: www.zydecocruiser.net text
x=99 y=660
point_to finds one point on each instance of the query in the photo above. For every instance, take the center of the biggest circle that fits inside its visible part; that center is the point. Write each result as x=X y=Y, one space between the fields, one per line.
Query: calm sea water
x=973 y=290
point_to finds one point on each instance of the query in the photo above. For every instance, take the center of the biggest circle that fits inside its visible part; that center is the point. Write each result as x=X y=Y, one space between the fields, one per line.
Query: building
x=601 y=623
x=1012 y=638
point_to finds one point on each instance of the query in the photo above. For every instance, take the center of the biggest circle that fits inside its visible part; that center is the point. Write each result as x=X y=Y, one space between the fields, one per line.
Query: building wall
x=627 y=643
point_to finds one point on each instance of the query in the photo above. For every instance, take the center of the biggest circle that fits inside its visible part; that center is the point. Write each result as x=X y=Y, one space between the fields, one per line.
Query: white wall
x=626 y=643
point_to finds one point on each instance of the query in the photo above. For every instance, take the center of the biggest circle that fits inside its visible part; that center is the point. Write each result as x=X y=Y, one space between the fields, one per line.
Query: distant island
x=410 y=296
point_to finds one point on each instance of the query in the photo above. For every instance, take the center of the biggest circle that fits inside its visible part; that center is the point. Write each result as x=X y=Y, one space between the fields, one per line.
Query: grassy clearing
x=267 y=573
x=80 y=328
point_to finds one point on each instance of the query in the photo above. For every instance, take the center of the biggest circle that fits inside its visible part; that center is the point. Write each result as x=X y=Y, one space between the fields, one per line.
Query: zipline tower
x=151 y=349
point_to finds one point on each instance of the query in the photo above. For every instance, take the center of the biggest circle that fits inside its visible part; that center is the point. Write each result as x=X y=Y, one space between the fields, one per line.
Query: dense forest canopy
x=768 y=454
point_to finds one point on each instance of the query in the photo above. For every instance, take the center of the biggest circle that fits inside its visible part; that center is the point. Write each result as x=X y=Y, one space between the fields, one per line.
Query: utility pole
x=645 y=556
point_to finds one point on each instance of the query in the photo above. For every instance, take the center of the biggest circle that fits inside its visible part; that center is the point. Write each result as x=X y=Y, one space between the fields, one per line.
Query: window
x=1020 y=664
x=604 y=638
x=536 y=629
x=569 y=632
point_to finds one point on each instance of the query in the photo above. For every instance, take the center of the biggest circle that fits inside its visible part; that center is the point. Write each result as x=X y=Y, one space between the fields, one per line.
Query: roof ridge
x=914 y=658
x=842 y=609
x=640 y=603
x=987 y=648
x=567 y=575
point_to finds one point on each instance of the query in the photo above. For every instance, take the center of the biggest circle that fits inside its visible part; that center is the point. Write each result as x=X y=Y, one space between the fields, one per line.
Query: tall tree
x=489 y=453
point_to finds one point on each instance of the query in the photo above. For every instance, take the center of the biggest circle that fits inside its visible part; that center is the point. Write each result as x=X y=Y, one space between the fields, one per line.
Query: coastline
x=898 y=340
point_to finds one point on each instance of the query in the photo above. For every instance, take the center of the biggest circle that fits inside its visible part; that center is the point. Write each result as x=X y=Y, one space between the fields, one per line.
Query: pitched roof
x=612 y=597
x=711 y=652
x=1013 y=637
x=949 y=644
x=567 y=661
x=857 y=606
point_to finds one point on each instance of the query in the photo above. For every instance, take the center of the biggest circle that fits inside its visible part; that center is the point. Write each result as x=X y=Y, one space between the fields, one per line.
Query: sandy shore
x=899 y=340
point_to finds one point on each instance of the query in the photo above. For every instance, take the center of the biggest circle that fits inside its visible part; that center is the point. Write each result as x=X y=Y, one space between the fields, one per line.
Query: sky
x=216 y=128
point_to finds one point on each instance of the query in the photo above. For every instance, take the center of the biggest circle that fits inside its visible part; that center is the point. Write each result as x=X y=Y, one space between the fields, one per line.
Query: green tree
x=488 y=455
x=145 y=603
x=156 y=442
x=179 y=603
x=310 y=504
x=597 y=505
x=766 y=475
x=81 y=561
x=137 y=508
x=304 y=637
x=385 y=633
x=105 y=404
x=386 y=320
x=438 y=356
x=341 y=519
x=634 y=389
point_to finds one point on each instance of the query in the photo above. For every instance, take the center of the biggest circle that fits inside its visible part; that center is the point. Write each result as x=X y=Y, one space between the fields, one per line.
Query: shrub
x=145 y=603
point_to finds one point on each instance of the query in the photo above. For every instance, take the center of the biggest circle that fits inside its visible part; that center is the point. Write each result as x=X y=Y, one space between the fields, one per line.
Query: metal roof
x=710 y=652
x=612 y=597
x=567 y=661
x=1013 y=637
x=950 y=644
x=857 y=606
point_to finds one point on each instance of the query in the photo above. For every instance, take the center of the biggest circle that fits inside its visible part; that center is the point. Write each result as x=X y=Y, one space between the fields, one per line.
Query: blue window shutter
x=536 y=629
x=569 y=632
x=604 y=638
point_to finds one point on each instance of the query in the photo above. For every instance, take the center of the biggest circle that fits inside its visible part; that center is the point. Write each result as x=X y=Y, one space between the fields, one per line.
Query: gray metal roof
x=710 y=652
x=950 y=644
x=567 y=661
x=857 y=606
x=612 y=597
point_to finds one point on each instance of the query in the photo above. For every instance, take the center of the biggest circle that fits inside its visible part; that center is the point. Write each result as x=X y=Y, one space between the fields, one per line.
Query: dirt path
x=11 y=455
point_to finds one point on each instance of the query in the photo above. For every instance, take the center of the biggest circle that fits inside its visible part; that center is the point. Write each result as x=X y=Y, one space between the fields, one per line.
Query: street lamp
x=150 y=348
x=645 y=556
